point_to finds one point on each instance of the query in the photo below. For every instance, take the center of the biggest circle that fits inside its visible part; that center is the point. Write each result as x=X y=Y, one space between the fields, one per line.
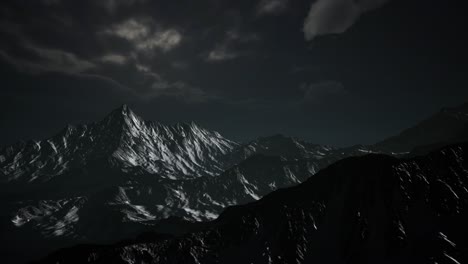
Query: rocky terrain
x=116 y=178
x=371 y=209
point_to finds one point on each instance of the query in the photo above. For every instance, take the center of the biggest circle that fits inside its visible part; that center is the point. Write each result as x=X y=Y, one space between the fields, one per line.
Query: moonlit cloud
x=335 y=16
x=164 y=40
x=147 y=71
x=269 y=7
x=221 y=53
x=144 y=37
x=130 y=30
x=55 y=59
x=48 y=60
x=226 y=49
x=114 y=59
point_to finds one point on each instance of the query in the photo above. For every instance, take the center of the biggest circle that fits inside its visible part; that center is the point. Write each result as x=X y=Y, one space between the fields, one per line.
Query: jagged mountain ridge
x=371 y=209
x=180 y=150
x=286 y=147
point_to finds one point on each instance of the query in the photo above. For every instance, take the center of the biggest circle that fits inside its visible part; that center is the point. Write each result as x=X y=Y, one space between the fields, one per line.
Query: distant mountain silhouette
x=450 y=125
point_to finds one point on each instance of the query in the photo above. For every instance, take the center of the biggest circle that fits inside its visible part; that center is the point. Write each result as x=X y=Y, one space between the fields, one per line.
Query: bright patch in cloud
x=114 y=59
x=144 y=37
x=220 y=54
x=272 y=7
x=164 y=40
x=335 y=16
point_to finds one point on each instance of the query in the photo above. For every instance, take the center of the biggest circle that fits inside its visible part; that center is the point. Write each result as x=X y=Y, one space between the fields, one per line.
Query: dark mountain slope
x=371 y=209
x=448 y=126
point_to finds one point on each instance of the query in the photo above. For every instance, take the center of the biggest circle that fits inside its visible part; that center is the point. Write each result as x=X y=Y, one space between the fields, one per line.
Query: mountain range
x=110 y=180
x=371 y=209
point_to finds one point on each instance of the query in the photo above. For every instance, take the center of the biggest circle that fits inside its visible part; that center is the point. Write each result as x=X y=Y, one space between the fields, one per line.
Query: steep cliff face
x=371 y=209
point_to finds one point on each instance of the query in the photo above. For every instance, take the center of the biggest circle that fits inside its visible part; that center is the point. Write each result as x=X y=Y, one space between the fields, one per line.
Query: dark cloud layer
x=335 y=71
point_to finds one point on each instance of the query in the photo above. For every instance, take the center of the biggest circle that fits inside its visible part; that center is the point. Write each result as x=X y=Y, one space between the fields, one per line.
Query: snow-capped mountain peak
x=123 y=119
x=172 y=151
x=180 y=150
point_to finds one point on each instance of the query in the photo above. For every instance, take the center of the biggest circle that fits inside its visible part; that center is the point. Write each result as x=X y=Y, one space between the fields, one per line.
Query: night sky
x=337 y=72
